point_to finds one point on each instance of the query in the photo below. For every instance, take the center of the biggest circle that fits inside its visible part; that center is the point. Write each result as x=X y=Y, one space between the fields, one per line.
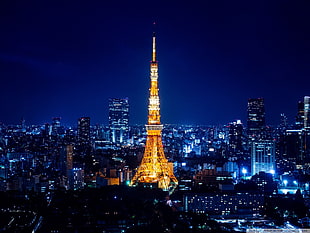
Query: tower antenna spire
x=154 y=43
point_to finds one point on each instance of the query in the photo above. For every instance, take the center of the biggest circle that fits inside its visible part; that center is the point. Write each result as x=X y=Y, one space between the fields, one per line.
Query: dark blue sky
x=66 y=58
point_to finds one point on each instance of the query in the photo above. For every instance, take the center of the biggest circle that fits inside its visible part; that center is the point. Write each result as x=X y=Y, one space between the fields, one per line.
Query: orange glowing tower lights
x=155 y=168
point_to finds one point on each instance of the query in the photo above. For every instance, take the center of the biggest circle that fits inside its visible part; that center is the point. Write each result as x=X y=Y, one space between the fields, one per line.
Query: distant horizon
x=73 y=123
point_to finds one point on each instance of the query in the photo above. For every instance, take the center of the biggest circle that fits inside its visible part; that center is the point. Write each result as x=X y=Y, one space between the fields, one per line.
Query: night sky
x=67 y=58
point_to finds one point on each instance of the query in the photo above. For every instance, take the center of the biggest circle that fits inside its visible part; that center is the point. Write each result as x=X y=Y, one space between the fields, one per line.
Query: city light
x=272 y=171
x=198 y=168
x=244 y=171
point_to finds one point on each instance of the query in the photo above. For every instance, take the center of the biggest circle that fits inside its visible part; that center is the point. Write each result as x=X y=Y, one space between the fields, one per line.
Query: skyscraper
x=69 y=158
x=119 y=120
x=303 y=114
x=66 y=164
x=154 y=168
x=300 y=115
x=262 y=156
x=56 y=125
x=297 y=147
x=256 y=118
x=283 y=121
x=84 y=130
x=235 y=137
x=75 y=176
x=306 y=112
x=294 y=146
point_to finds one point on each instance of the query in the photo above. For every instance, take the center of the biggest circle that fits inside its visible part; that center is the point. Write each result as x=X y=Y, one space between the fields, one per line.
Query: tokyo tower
x=155 y=170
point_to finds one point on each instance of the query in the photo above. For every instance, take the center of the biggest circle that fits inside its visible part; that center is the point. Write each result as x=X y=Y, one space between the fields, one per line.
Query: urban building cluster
x=156 y=178
x=228 y=170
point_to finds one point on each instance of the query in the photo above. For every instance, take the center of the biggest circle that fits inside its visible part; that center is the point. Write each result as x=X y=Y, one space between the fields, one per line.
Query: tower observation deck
x=155 y=168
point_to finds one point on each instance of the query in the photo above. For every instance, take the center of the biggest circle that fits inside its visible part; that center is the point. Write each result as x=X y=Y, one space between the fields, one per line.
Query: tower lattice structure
x=155 y=168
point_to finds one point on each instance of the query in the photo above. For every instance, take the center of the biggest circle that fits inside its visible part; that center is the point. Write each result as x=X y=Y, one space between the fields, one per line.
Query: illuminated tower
x=154 y=168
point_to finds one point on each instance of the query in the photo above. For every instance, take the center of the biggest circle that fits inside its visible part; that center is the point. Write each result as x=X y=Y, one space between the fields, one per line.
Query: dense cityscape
x=230 y=178
x=84 y=147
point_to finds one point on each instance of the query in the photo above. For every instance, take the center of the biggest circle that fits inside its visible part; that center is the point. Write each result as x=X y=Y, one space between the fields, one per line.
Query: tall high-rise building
x=299 y=123
x=66 y=164
x=297 y=146
x=155 y=168
x=307 y=112
x=283 y=121
x=256 y=118
x=294 y=146
x=235 y=136
x=75 y=176
x=69 y=158
x=83 y=132
x=119 y=120
x=56 y=125
x=303 y=114
x=262 y=156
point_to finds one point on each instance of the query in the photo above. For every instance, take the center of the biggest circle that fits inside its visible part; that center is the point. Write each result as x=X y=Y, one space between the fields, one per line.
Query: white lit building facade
x=119 y=120
x=262 y=156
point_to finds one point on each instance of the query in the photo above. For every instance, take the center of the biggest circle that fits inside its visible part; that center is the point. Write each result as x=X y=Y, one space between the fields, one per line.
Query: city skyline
x=66 y=60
